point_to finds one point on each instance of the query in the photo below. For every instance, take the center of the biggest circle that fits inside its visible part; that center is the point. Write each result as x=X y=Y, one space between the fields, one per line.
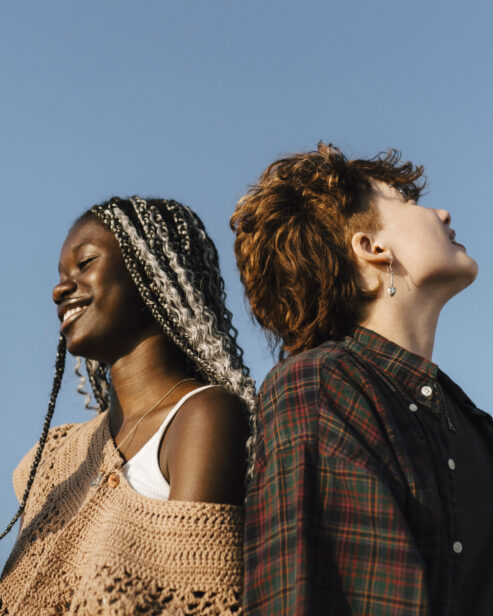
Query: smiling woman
x=112 y=507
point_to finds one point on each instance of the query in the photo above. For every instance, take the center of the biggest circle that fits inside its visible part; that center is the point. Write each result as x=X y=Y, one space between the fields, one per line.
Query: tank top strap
x=155 y=440
x=169 y=417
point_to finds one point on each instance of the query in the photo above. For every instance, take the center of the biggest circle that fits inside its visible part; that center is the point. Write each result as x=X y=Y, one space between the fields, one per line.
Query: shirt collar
x=414 y=372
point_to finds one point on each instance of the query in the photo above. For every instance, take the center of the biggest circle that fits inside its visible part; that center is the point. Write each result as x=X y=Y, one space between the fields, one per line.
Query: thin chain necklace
x=154 y=406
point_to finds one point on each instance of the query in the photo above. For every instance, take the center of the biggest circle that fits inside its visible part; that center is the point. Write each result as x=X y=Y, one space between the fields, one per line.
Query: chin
x=465 y=277
x=471 y=271
x=84 y=347
x=79 y=350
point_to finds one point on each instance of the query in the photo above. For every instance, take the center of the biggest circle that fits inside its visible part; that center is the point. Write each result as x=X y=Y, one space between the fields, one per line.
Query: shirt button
x=457 y=547
x=413 y=407
x=113 y=480
x=426 y=390
x=451 y=464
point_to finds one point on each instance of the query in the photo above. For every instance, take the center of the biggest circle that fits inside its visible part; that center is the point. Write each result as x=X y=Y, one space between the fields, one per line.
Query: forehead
x=88 y=232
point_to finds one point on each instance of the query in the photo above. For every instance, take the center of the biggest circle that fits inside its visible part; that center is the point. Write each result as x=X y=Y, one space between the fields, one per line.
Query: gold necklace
x=154 y=406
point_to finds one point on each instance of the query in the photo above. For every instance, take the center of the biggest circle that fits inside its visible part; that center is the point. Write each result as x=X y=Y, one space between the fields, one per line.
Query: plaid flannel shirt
x=351 y=508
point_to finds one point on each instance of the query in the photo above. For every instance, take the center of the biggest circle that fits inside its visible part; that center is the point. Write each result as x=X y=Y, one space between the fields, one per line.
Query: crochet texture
x=91 y=545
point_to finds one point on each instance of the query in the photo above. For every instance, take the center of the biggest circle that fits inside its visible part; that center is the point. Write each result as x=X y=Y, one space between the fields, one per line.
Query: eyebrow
x=86 y=243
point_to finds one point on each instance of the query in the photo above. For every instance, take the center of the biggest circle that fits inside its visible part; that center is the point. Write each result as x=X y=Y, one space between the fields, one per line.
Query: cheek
x=426 y=239
x=127 y=309
x=419 y=251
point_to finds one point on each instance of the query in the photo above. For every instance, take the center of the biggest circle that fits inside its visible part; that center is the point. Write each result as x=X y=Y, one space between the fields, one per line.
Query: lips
x=70 y=311
x=453 y=240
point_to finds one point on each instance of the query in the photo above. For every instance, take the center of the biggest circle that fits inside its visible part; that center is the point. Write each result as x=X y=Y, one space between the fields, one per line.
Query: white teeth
x=72 y=311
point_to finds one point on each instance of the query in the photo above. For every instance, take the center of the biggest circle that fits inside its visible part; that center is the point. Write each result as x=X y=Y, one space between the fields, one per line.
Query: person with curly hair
x=373 y=472
x=138 y=510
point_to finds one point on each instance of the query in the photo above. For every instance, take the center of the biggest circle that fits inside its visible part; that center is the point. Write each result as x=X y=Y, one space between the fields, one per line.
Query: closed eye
x=82 y=265
x=403 y=192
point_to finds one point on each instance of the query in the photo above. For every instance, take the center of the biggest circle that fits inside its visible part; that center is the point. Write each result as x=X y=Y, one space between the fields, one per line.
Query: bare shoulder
x=204 y=452
x=214 y=409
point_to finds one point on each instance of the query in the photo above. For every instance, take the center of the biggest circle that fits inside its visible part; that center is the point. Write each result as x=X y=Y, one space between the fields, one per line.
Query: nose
x=62 y=289
x=444 y=216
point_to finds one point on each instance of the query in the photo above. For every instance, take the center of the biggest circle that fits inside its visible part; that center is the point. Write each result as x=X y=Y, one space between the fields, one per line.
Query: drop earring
x=391 y=289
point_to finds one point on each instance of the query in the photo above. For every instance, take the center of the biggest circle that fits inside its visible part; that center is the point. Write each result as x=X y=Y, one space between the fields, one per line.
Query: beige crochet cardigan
x=91 y=545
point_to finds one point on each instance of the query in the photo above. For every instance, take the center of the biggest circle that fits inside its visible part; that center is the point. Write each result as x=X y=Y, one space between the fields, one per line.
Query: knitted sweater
x=92 y=545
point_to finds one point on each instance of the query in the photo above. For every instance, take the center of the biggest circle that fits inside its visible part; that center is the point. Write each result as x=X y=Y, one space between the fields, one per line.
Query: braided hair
x=57 y=381
x=175 y=267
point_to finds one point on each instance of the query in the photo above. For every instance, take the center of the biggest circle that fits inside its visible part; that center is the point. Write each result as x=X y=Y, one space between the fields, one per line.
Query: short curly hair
x=293 y=241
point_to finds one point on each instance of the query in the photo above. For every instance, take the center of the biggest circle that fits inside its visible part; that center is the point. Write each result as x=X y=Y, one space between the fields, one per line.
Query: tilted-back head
x=293 y=241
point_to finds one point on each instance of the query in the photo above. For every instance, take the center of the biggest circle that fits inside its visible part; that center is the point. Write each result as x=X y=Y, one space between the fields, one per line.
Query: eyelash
x=82 y=264
x=403 y=192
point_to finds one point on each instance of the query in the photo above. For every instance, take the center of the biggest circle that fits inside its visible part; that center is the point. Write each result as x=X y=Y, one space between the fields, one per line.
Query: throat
x=412 y=329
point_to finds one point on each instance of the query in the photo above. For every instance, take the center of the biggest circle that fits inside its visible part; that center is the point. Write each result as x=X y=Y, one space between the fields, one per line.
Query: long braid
x=57 y=381
x=98 y=378
x=187 y=320
x=195 y=318
x=216 y=287
x=220 y=316
x=81 y=387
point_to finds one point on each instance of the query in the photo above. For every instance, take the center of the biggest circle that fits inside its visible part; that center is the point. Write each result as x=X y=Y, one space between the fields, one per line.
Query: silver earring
x=391 y=290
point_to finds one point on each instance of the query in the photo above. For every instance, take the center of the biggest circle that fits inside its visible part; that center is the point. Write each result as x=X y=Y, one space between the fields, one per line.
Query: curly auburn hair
x=293 y=241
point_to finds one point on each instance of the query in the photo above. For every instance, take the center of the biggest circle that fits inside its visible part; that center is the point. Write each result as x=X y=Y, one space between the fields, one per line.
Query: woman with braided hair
x=139 y=509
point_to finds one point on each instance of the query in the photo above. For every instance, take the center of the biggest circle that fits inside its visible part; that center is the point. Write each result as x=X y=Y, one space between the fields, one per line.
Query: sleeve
x=325 y=535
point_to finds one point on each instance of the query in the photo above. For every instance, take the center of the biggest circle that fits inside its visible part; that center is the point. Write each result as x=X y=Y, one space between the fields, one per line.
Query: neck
x=143 y=375
x=409 y=322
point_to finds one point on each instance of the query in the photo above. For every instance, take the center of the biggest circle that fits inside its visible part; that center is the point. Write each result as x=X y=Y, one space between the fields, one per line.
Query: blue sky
x=191 y=100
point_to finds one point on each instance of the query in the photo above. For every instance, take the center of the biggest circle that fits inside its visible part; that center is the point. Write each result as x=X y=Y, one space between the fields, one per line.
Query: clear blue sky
x=191 y=100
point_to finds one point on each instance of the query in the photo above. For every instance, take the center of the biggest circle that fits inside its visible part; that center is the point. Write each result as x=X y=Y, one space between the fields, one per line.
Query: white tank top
x=142 y=471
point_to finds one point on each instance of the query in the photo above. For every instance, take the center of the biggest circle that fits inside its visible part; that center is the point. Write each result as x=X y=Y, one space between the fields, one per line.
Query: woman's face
x=422 y=243
x=101 y=312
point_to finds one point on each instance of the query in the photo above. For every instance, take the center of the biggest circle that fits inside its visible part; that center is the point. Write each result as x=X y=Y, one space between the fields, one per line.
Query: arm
x=204 y=453
x=324 y=533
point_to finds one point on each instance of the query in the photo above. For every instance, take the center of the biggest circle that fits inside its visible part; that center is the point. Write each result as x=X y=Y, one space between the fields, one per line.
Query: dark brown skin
x=203 y=453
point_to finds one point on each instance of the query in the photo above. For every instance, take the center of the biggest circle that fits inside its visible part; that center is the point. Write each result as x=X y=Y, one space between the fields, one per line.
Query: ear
x=370 y=250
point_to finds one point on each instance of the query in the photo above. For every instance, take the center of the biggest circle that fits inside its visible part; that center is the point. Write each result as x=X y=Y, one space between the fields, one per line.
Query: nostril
x=62 y=289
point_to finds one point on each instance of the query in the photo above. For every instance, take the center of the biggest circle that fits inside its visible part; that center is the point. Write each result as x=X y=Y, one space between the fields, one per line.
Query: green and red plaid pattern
x=351 y=508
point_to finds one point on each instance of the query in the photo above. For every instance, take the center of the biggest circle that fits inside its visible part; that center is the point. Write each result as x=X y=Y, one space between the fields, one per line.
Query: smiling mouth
x=71 y=315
